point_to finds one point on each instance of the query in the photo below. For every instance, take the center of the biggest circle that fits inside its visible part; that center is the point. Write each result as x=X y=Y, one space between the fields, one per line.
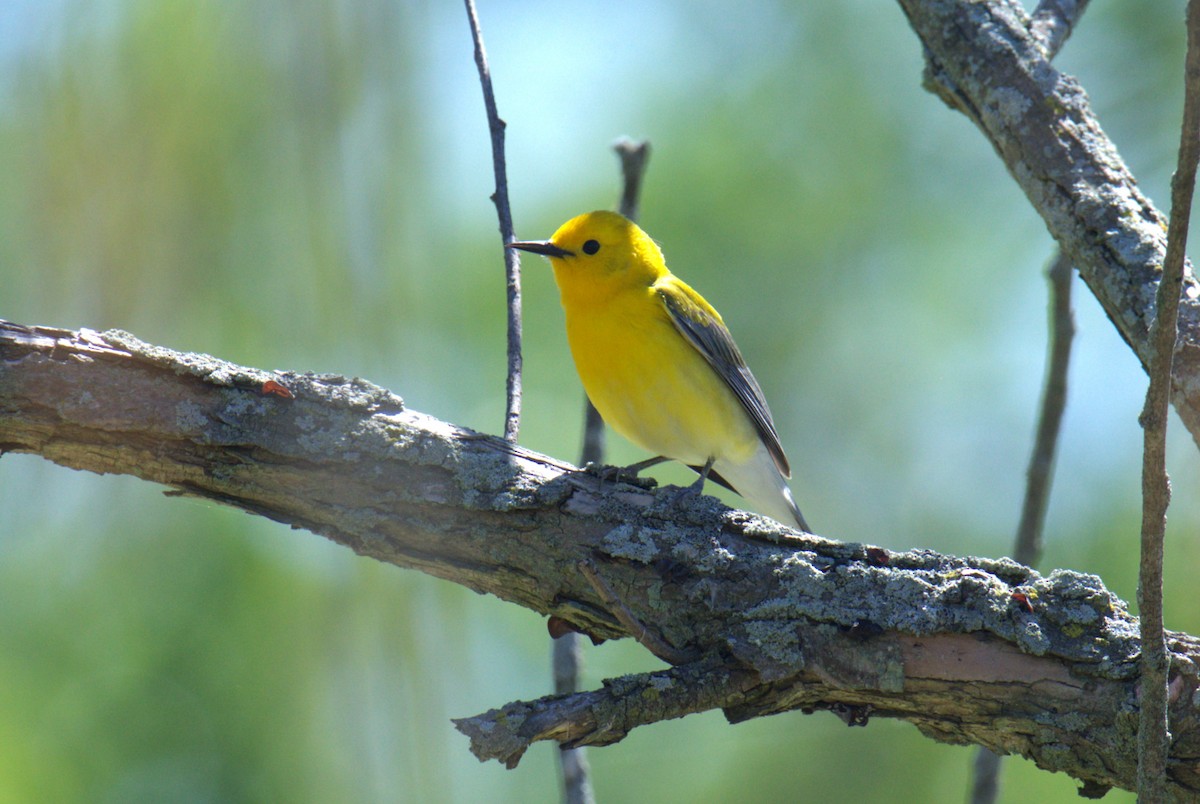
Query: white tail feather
x=759 y=481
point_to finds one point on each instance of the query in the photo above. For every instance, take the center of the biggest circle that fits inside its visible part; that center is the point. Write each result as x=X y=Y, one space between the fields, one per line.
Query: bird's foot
x=625 y=474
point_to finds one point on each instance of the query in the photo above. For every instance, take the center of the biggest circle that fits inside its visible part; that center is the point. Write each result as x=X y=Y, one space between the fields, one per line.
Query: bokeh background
x=305 y=185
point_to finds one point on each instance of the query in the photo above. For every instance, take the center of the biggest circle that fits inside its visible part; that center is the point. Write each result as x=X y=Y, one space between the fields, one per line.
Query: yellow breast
x=651 y=385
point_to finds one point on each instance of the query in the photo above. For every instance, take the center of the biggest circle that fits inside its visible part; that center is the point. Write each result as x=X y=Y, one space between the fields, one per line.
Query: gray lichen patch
x=1010 y=104
x=772 y=647
x=492 y=479
x=708 y=557
x=354 y=393
x=1032 y=638
x=207 y=367
x=190 y=417
x=630 y=542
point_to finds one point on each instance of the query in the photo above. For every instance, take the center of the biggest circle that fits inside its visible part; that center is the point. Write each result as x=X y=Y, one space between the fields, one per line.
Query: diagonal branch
x=968 y=650
x=983 y=61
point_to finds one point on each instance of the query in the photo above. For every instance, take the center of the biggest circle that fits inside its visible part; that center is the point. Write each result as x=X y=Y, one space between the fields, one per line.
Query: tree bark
x=764 y=620
x=982 y=60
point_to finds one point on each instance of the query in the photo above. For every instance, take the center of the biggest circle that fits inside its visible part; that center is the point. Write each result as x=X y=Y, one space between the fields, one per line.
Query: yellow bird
x=658 y=363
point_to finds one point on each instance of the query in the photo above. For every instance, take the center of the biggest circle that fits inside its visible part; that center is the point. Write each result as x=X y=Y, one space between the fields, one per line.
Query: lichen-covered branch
x=969 y=650
x=606 y=715
x=983 y=61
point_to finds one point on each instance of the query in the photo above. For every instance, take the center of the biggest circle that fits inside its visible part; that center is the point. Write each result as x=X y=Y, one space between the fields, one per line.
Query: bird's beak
x=543 y=247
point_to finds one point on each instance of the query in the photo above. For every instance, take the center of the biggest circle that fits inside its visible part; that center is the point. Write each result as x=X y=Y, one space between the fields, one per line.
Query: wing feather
x=702 y=327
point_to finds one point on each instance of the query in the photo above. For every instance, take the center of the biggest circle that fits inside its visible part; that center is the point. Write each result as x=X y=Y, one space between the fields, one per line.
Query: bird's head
x=599 y=252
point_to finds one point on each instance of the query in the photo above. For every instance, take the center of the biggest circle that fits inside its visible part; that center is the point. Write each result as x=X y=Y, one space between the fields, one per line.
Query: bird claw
x=607 y=473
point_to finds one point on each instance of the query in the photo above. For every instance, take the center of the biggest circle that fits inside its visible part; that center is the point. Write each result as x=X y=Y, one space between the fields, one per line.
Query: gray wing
x=712 y=340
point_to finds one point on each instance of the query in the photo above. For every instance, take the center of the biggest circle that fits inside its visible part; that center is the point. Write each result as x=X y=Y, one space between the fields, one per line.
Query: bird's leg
x=618 y=473
x=635 y=468
x=698 y=485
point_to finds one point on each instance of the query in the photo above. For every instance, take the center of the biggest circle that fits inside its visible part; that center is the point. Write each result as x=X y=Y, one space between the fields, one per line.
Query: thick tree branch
x=969 y=650
x=983 y=61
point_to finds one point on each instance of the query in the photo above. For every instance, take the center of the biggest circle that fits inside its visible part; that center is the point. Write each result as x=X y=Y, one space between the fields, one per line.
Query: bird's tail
x=759 y=481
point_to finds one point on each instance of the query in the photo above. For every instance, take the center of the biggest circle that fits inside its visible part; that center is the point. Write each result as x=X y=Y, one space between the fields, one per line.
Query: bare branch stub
x=603 y=716
x=1052 y=22
x=634 y=156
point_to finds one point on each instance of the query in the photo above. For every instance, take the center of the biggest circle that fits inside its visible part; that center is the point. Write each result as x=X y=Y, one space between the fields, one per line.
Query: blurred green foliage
x=304 y=185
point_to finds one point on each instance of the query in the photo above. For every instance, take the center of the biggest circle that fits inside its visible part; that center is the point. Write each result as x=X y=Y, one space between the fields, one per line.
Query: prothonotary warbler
x=658 y=363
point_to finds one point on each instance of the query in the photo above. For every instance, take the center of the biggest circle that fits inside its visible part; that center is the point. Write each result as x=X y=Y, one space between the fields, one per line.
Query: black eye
x=591 y=247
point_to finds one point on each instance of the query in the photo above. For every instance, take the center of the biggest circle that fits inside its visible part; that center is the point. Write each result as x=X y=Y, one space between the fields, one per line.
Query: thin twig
x=1052 y=22
x=1153 y=735
x=572 y=762
x=645 y=637
x=593 y=435
x=577 y=788
x=567 y=651
x=512 y=263
x=985 y=776
x=633 y=155
x=1027 y=546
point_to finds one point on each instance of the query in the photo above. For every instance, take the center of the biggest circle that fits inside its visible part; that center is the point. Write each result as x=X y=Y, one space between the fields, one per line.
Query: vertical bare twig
x=572 y=762
x=567 y=654
x=633 y=156
x=1027 y=546
x=985 y=776
x=1153 y=735
x=593 y=434
x=512 y=263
